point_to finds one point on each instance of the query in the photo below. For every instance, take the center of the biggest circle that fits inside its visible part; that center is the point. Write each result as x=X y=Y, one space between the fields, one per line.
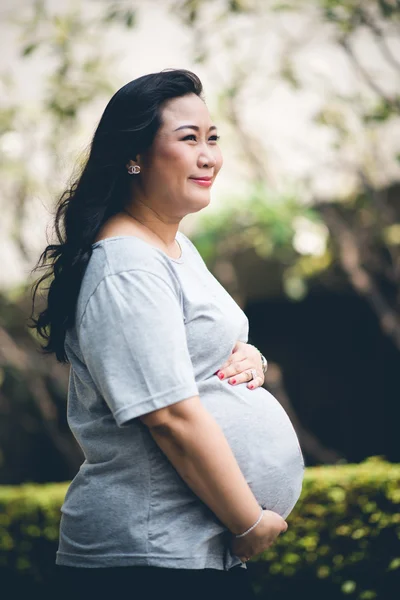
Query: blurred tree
x=32 y=394
x=306 y=237
x=363 y=227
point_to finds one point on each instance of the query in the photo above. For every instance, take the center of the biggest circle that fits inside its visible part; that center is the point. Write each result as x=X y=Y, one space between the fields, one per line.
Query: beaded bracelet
x=252 y=527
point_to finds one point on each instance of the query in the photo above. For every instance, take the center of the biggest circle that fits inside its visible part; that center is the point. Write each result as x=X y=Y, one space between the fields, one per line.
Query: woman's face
x=184 y=150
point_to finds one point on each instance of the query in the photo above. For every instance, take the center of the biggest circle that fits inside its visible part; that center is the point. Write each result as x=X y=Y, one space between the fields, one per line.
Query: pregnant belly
x=262 y=439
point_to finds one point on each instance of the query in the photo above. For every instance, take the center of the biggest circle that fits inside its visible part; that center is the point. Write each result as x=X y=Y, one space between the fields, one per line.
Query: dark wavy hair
x=127 y=127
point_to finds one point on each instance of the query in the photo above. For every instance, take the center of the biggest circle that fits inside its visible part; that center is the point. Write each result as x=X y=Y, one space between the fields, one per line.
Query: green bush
x=29 y=525
x=342 y=540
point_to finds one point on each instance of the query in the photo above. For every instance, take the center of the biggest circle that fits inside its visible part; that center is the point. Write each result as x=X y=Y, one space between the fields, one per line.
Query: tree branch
x=361 y=280
x=381 y=41
x=395 y=104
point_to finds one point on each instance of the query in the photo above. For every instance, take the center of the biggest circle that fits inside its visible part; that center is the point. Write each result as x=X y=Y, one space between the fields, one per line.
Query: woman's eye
x=191 y=136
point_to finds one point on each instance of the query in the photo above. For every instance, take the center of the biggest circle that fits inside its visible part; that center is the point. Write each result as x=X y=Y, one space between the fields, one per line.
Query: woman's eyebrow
x=193 y=127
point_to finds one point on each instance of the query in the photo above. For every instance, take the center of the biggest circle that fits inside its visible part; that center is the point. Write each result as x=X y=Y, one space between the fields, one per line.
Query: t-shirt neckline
x=121 y=237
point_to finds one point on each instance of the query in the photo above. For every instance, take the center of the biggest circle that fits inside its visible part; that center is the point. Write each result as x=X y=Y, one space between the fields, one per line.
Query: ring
x=253 y=374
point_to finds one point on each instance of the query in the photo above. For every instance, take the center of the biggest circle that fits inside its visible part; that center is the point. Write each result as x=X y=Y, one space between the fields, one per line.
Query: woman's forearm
x=196 y=446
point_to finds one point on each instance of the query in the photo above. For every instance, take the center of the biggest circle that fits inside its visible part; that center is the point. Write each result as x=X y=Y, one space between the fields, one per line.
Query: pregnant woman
x=186 y=475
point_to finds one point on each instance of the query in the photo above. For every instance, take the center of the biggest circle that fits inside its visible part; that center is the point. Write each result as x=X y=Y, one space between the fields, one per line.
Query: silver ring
x=253 y=374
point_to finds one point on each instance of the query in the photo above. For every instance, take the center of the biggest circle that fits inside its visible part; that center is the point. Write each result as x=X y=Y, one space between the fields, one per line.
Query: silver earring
x=133 y=169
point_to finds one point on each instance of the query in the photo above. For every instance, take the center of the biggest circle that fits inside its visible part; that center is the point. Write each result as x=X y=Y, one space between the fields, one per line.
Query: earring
x=133 y=169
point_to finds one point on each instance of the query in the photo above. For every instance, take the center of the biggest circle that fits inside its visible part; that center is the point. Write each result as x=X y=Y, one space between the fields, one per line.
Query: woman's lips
x=203 y=182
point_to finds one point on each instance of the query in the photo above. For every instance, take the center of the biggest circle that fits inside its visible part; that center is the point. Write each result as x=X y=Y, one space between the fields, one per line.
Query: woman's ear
x=133 y=162
x=133 y=166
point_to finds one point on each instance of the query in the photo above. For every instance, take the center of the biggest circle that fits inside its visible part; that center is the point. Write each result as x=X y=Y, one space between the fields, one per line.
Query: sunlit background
x=303 y=230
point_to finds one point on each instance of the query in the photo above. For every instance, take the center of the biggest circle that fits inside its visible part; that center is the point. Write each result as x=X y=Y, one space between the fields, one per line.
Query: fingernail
x=233 y=380
x=221 y=375
x=251 y=386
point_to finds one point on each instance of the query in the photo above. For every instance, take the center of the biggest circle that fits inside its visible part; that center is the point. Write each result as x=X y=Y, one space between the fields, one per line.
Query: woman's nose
x=206 y=160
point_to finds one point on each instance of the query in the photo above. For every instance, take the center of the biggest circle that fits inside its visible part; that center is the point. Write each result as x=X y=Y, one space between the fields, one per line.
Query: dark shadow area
x=341 y=373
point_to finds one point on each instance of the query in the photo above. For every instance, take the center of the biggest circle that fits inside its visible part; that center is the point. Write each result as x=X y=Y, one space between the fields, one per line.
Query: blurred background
x=304 y=225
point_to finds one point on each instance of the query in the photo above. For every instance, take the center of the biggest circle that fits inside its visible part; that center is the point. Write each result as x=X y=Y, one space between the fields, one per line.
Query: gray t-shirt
x=150 y=331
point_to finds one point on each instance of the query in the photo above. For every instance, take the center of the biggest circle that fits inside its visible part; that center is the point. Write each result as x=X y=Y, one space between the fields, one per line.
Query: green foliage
x=267 y=222
x=72 y=41
x=81 y=71
x=29 y=522
x=343 y=535
x=389 y=8
x=382 y=111
x=342 y=540
x=262 y=219
x=120 y=14
x=353 y=11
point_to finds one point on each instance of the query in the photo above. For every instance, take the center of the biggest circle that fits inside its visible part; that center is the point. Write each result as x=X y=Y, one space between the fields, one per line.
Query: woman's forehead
x=186 y=110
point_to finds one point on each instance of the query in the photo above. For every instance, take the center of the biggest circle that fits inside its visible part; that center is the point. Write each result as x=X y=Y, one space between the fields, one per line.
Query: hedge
x=342 y=540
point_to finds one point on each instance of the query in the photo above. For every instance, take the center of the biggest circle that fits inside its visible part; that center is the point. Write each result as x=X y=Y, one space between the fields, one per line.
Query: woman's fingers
x=234 y=362
x=243 y=366
x=240 y=372
x=257 y=382
x=234 y=368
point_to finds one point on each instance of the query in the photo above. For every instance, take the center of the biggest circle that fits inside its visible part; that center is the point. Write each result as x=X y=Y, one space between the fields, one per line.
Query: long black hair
x=127 y=127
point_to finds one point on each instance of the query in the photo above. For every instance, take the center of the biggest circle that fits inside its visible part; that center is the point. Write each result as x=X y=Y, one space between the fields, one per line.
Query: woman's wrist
x=263 y=360
x=240 y=535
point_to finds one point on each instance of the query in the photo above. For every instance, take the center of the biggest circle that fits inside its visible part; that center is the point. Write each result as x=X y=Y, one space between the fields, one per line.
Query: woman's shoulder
x=114 y=276
x=129 y=252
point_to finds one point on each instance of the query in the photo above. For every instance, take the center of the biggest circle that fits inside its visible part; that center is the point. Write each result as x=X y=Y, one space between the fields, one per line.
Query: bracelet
x=252 y=527
x=263 y=360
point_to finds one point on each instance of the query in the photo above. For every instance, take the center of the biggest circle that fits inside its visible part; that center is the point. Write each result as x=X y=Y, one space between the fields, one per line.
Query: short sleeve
x=133 y=341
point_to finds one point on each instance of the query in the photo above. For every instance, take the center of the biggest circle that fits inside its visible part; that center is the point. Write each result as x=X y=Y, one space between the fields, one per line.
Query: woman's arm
x=196 y=446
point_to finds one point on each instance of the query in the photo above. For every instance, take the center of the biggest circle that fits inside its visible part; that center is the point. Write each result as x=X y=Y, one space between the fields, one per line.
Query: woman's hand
x=261 y=538
x=236 y=369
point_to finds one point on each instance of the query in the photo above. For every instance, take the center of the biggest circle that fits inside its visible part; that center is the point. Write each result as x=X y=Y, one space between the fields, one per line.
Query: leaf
x=130 y=18
x=388 y=8
x=289 y=74
x=236 y=6
x=368 y=595
x=126 y=17
x=381 y=113
x=394 y=564
x=348 y=587
x=283 y=7
x=111 y=15
x=29 y=49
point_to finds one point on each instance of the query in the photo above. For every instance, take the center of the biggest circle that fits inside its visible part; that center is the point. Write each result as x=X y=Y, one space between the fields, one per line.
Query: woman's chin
x=202 y=201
